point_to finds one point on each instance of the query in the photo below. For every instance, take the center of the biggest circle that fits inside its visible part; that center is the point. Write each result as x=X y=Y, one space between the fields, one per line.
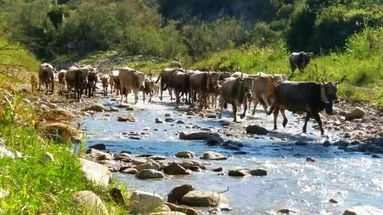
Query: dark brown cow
x=46 y=76
x=306 y=97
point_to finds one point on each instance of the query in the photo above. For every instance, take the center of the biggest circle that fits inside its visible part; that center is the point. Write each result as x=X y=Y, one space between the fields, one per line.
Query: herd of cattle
x=203 y=88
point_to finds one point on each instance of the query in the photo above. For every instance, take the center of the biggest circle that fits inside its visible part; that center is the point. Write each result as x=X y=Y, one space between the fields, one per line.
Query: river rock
x=149 y=174
x=201 y=136
x=203 y=199
x=176 y=169
x=98 y=155
x=219 y=169
x=357 y=113
x=148 y=165
x=59 y=132
x=209 y=155
x=185 y=154
x=95 y=107
x=144 y=202
x=96 y=172
x=127 y=118
x=158 y=120
x=100 y=146
x=176 y=194
x=168 y=119
x=287 y=211
x=255 y=129
x=334 y=201
x=183 y=209
x=157 y=157
x=363 y=210
x=123 y=156
x=90 y=203
x=131 y=171
x=192 y=163
x=239 y=171
x=258 y=172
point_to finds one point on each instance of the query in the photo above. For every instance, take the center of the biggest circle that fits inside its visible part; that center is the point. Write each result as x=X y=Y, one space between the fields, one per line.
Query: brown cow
x=46 y=76
x=130 y=80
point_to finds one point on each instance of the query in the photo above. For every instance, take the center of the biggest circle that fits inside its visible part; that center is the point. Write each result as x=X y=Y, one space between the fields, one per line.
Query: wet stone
x=158 y=121
x=258 y=172
x=100 y=146
x=219 y=169
x=309 y=159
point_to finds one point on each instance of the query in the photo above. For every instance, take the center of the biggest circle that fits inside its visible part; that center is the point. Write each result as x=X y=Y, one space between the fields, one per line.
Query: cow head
x=329 y=94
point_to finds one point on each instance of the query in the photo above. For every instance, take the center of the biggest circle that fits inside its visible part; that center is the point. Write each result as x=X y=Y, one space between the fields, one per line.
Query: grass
x=36 y=184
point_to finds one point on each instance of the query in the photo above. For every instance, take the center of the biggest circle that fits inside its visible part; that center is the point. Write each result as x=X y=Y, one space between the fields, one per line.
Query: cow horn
x=341 y=80
x=323 y=82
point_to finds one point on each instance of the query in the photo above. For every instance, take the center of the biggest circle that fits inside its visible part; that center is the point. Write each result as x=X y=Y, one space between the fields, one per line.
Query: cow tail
x=158 y=79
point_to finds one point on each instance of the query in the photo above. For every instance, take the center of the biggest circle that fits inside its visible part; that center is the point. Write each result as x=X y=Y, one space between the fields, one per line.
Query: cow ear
x=341 y=80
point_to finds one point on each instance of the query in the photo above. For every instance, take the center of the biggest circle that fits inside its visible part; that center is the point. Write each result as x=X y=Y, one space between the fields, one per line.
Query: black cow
x=92 y=81
x=46 y=76
x=77 y=78
x=304 y=97
x=299 y=60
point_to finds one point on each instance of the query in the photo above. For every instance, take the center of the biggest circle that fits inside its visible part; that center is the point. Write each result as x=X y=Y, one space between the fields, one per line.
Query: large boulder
x=59 y=115
x=185 y=154
x=203 y=199
x=59 y=132
x=176 y=194
x=144 y=202
x=363 y=210
x=209 y=155
x=90 y=203
x=96 y=172
x=95 y=107
x=255 y=129
x=176 y=169
x=201 y=136
x=356 y=113
x=149 y=174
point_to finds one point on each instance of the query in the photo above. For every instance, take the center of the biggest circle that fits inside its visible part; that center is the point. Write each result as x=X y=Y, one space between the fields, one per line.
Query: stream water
x=292 y=182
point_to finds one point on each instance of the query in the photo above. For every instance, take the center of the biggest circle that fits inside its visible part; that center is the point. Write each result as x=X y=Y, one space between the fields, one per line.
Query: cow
x=304 y=97
x=130 y=80
x=77 y=78
x=239 y=74
x=149 y=88
x=92 y=81
x=165 y=77
x=202 y=83
x=262 y=89
x=235 y=91
x=114 y=82
x=181 y=83
x=299 y=60
x=61 y=77
x=46 y=76
x=34 y=82
x=105 y=83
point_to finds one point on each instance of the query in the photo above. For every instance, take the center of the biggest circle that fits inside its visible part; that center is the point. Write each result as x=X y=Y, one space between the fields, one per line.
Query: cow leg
x=319 y=121
x=275 y=112
x=135 y=96
x=255 y=100
x=284 y=123
x=308 y=116
x=235 y=112
x=221 y=104
x=244 y=110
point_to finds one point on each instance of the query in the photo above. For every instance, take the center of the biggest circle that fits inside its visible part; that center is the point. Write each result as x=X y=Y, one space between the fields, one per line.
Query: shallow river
x=292 y=182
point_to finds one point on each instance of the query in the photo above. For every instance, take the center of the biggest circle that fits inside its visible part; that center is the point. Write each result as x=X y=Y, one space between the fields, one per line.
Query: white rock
x=90 y=203
x=4 y=152
x=144 y=202
x=96 y=172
